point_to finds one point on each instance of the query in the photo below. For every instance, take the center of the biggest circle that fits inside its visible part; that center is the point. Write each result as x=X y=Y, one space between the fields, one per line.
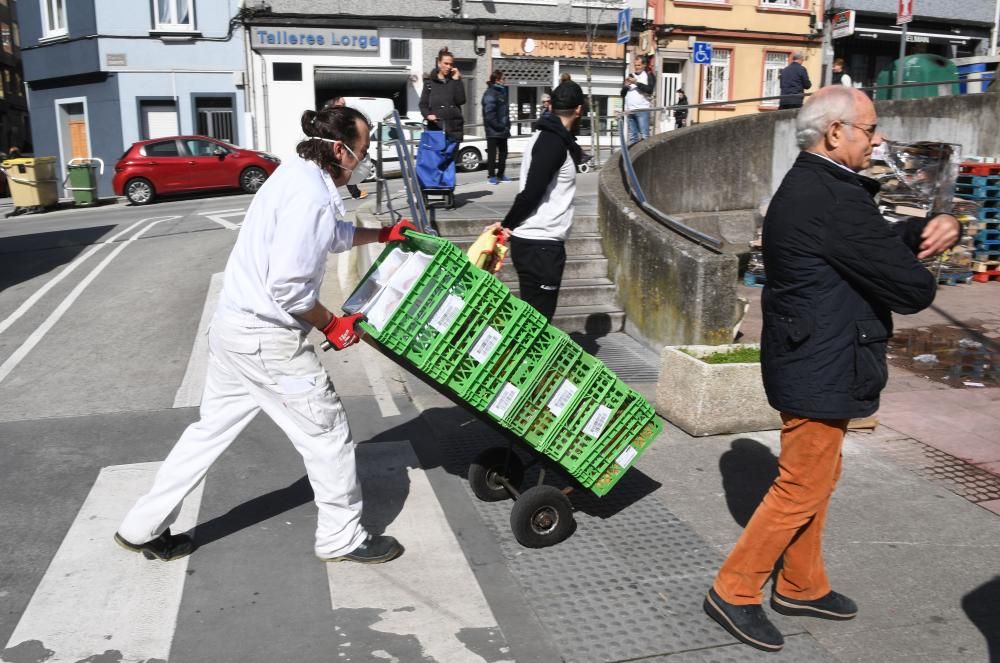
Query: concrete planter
x=712 y=399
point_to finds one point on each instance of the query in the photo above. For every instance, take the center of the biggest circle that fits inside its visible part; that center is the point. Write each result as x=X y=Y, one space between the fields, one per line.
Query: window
x=287 y=71
x=783 y=4
x=174 y=15
x=717 y=76
x=399 y=49
x=166 y=148
x=773 y=64
x=53 y=18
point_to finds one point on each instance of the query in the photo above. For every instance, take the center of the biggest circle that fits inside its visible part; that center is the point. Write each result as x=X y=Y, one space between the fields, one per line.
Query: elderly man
x=836 y=270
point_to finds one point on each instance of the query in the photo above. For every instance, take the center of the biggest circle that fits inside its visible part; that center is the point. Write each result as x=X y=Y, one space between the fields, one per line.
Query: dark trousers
x=496 y=156
x=539 y=265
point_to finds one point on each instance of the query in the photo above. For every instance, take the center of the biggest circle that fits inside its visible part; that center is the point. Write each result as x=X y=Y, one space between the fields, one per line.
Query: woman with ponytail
x=260 y=357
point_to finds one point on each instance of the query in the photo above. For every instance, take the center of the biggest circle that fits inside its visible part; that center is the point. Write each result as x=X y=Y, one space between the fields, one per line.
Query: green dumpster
x=941 y=74
x=83 y=180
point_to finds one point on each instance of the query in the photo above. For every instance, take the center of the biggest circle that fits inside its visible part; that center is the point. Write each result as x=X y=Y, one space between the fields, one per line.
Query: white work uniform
x=260 y=359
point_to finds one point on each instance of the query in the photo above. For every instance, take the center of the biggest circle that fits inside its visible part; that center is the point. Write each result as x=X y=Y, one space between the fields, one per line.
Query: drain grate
x=625 y=356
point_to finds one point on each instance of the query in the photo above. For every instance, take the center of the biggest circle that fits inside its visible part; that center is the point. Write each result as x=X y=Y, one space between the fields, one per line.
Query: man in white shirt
x=638 y=93
x=259 y=354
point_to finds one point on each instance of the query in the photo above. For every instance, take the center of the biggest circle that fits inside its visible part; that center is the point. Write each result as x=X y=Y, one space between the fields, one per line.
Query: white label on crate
x=488 y=340
x=564 y=394
x=598 y=421
x=504 y=400
x=446 y=313
x=627 y=456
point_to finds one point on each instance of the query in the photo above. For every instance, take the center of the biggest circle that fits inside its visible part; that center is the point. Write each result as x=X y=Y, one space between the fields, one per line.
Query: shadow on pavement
x=748 y=470
x=982 y=607
x=23 y=257
x=254 y=511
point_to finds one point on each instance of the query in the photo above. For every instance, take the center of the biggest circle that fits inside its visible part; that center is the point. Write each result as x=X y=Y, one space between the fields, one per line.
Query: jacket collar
x=816 y=162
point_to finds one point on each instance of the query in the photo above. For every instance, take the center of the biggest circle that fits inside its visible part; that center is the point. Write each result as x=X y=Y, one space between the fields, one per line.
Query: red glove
x=395 y=233
x=340 y=332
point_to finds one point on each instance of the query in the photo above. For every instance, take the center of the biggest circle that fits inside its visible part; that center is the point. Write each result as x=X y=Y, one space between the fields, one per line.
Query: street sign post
x=701 y=53
x=624 y=25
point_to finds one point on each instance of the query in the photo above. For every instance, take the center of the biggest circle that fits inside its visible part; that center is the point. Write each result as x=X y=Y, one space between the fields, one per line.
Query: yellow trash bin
x=32 y=181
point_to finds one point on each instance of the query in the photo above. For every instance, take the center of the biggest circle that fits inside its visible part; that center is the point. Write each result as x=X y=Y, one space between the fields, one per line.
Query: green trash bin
x=83 y=180
x=940 y=73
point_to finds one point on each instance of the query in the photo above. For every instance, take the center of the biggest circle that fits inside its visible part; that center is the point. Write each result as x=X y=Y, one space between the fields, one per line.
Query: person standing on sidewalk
x=638 y=93
x=542 y=214
x=836 y=270
x=352 y=189
x=261 y=359
x=496 y=117
x=794 y=81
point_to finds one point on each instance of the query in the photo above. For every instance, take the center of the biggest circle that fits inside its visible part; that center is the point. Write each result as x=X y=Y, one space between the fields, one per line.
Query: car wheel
x=252 y=179
x=469 y=159
x=140 y=191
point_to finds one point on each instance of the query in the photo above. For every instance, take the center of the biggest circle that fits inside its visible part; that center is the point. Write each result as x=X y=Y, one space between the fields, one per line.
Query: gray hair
x=822 y=109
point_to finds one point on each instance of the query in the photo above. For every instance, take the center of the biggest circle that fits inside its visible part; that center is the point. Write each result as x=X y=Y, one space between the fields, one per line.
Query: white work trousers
x=274 y=369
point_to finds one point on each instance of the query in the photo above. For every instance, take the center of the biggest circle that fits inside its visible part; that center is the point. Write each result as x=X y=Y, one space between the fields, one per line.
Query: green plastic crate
x=548 y=400
x=602 y=397
x=479 y=383
x=617 y=468
x=526 y=373
x=488 y=303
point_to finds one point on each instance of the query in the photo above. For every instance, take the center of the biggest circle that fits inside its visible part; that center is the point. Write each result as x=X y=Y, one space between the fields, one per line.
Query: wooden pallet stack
x=979 y=184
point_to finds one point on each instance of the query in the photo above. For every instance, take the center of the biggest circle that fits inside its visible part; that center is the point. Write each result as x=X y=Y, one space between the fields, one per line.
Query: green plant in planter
x=745 y=355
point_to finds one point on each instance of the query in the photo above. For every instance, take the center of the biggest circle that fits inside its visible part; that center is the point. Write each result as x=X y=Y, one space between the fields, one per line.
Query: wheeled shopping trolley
x=430 y=309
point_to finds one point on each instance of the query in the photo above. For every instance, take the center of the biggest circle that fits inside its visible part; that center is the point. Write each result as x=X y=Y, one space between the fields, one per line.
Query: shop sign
x=563 y=46
x=843 y=24
x=314 y=40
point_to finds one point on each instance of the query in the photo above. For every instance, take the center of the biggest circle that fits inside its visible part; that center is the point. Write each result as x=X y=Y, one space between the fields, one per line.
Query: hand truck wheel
x=542 y=516
x=490 y=469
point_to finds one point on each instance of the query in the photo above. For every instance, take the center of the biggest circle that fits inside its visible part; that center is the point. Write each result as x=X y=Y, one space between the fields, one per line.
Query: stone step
x=589 y=319
x=580 y=292
x=577 y=267
x=578 y=244
x=473 y=227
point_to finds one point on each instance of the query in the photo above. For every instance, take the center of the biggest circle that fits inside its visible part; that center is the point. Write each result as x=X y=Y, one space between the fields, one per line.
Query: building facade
x=751 y=41
x=868 y=38
x=104 y=74
x=14 y=128
x=302 y=52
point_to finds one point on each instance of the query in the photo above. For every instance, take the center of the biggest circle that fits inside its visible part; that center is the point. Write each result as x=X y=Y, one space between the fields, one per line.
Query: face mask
x=360 y=172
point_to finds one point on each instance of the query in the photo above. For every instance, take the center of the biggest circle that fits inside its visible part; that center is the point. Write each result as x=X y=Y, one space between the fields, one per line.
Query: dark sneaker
x=374 y=550
x=166 y=547
x=747 y=623
x=831 y=606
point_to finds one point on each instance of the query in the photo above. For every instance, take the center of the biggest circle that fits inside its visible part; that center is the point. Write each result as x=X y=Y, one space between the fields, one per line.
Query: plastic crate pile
x=460 y=326
x=979 y=185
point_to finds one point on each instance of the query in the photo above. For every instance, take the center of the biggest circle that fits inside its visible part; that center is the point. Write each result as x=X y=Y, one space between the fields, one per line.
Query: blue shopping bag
x=436 y=160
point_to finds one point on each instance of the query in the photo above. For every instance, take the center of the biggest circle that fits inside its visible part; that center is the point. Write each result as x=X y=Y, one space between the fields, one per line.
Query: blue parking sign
x=624 y=25
x=702 y=53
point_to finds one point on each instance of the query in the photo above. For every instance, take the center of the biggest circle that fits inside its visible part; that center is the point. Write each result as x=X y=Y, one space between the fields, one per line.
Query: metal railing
x=635 y=189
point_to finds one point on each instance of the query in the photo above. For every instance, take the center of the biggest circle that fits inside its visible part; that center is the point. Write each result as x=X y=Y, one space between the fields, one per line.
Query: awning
x=359 y=77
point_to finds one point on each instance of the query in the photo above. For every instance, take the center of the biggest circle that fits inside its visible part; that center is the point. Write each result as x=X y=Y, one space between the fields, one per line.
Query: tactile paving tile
x=964 y=479
x=628 y=584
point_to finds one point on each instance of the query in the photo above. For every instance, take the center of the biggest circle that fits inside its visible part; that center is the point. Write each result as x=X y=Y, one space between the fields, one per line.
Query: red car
x=183 y=164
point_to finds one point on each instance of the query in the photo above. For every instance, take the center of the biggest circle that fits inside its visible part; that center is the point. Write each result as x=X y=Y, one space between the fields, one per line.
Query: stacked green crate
x=463 y=328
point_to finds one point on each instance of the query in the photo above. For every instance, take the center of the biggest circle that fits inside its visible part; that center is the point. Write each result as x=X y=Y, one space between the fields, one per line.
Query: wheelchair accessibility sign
x=702 y=53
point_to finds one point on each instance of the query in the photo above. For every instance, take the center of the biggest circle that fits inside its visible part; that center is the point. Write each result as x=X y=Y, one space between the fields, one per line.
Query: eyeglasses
x=870 y=131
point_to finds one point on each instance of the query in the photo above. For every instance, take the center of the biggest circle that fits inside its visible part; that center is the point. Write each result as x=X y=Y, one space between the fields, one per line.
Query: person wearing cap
x=542 y=214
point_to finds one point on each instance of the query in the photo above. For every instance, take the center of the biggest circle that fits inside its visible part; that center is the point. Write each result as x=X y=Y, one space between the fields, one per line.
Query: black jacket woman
x=443 y=97
x=496 y=117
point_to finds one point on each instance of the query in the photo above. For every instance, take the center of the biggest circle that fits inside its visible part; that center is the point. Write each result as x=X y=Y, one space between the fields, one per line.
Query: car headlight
x=269 y=157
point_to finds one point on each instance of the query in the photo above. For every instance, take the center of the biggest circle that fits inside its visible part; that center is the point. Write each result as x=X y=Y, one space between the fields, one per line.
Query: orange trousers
x=789 y=522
